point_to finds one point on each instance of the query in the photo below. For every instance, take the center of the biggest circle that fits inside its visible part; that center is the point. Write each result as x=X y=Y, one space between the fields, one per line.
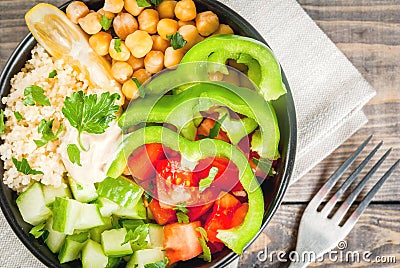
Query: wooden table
x=368 y=33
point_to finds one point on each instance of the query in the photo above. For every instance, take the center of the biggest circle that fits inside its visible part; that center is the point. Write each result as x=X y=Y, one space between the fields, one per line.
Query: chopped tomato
x=206 y=126
x=240 y=214
x=221 y=216
x=172 y=171
x=162 y=215
x=215 y=247
x=142 y=164
x=181 y=241
x=195 y=213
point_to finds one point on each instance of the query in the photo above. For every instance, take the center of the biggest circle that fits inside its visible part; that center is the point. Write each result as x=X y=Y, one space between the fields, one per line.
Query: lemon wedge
x=63 y=39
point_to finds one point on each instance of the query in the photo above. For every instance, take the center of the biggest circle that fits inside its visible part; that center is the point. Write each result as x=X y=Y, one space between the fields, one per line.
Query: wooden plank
x=377 y=231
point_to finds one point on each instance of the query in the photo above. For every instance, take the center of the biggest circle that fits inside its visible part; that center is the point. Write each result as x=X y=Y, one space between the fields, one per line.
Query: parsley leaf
x=79 y=187
x=46 y=129
x=149 y=197
x=181 y=207
x=18 y=116
x=105 y=22
x=143 y=3
x=159 y=264
x=90 y=113
x=139 y=86
x=182 y=217
x=263 y=164
x=137 y=237
x=74 y=154
x=214 y=131
x=177 y=40
x=24 y=167
x=35 y=95
x=117 y=45
x=38 y=230
x=2 y=126
x=53 y=74
x=203 y=242
x=156 y=2
x=206 y=182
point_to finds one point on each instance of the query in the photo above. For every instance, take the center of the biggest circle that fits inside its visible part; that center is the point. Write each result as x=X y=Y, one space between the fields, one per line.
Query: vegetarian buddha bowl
x=143 y=133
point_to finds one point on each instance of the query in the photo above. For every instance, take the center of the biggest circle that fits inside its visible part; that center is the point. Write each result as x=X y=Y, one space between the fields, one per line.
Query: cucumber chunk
x=145 y=256
x=113 y=243
x=156 y=234
x=121 y=191
x=93 y=255
x=55 y=239
x=89 y=217
x=32 y=206
x=82 y=192
x=50 y=193
x=107 y=207
x=138 y=212
x=71 y=250
x=95 y=233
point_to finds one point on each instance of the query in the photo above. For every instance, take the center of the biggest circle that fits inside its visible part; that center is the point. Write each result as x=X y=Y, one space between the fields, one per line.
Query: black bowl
x=274 y=189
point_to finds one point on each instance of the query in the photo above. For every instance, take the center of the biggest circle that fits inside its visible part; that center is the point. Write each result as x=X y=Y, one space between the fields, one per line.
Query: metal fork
x=319 y=233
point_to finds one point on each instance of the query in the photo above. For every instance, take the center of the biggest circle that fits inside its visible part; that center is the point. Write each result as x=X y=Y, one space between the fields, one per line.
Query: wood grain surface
x=368 y=33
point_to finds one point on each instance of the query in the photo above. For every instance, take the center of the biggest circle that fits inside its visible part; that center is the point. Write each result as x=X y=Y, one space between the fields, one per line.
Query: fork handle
x=298 y=264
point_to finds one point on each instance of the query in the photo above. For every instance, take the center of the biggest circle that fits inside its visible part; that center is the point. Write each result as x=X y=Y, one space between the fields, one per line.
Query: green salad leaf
x=206 y=182
x=24 y=167
x=18 y=116
x=117 y=44
x=137 y=237
x=38 y=230
x=177 y=40
x=105 y=22
x=46 y=129
x=203 y=242
x=90 y=113
x=143 y=3
x=158 y=264
x=35 y=95
x=2 y=125
x=53 y=74
x=182 y=217
x=74 y=154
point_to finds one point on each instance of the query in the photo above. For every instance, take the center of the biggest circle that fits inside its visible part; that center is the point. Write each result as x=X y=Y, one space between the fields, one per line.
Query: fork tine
x=314 y=203
x=341 y=212
x=367 y=199
x=332 y=202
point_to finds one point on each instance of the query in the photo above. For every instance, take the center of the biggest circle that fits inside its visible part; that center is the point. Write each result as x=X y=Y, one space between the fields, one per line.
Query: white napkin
x=328 y=92
x=327 y=89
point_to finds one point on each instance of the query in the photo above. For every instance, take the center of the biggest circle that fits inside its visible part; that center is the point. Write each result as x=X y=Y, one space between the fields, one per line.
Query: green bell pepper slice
x=264 y=70
x=183 y=110
x=236 y=238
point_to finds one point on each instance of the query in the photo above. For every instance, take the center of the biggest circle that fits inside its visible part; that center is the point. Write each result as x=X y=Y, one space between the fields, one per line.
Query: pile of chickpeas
x=144 y=46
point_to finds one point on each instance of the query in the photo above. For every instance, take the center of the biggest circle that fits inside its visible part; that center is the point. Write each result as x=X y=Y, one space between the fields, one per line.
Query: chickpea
x=121 y=71
x=166 y=9
x=114 y=6
x=185 y=10
x=130 y=90
x=207 y=23
x=124 y=24
x=167 y=27
x=154 y=61
x=142 y=75
x=91 y=23
x=223 y=29
x=173 y=57
x=191 y=35
x=132 y=7
x=76 y=10
x=136 y=63
x=182 y=23
x=119 y=56
x=100 y=43
x=160 y=43
x=148 y=21
x=139 y=43
x=109 y=15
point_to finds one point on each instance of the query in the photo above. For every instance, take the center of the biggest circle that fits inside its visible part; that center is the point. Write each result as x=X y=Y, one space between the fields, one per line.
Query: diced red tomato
x=195 y=213
x=221 y=216
x=181 y=241
x=162 y=215
x=240 y=214
x=215 y=247
x=142 y=164
x=206 y=126
x=171 y=171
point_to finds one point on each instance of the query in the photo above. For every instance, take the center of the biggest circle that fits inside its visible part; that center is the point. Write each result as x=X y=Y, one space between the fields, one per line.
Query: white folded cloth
x=327 y=89
x=328 y=92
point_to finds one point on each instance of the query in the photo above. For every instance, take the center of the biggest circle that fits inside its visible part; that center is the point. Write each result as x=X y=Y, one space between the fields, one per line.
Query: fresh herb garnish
x=117 y=45
x=203 y=242
x=143 y=3
x=53 y=74
x=182 y=217
x=38 y=230
x=18 y=116
x=90 y=113
x=79 y=187
x=74 y=154
x=2 y=125
x=24 y=167
x=206 y=182
x=139 y=86
x=46 y=129
x=105 y=22
x=263 y=164
x=148 y=197
x=138 y=236
x=181 y=207
x=214 y=131
x=177 y=40
x=159 y=264
x=35 y=95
